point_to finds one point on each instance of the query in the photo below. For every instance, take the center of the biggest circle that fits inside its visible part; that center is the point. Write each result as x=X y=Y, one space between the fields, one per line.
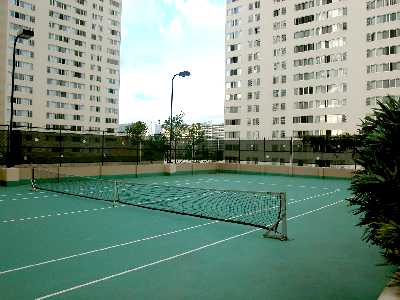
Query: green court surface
x=59 y=246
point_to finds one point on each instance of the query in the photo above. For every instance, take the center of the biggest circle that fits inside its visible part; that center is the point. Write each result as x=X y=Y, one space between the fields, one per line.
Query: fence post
x=264 y=160
x=8 y=146
x=10 y=155
x=175 y=151
x=60 y=154
x=355 y=152
x=291 y=151
x=207 y=150
x=218 y=151
x=137 y=152
x=239 y=150
x=193 y=149
x=140 y=151
x=102 y=149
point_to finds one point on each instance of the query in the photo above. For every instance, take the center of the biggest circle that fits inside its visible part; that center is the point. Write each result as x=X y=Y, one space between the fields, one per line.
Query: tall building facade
x=315 y=67
x=67 y=75
x=213 y=131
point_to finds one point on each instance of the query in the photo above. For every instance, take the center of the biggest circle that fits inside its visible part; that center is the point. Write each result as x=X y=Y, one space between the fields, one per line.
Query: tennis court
x=62 y=246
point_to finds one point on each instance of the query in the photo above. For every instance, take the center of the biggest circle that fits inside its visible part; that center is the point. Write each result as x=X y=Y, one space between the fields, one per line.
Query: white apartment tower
x=67 y=75
x=213 y=131
x=315 y=67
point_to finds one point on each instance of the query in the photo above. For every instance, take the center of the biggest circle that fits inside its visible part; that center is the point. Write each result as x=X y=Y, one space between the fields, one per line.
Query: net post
x=115 y=196
x=274 y=232
x=283 y=221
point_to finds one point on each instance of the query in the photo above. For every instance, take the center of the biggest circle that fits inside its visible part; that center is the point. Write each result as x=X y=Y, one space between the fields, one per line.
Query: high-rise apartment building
x=67 y=76
x=315 y=67
x=213 y=131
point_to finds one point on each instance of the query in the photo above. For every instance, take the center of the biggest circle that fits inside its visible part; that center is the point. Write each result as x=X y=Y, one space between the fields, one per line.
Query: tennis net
x=258 y=209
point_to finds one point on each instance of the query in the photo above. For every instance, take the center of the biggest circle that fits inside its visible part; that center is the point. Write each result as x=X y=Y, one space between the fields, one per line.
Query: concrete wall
x=15 y=175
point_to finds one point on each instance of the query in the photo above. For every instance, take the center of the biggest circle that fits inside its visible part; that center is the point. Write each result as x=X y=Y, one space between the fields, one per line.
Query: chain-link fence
x=48 y=146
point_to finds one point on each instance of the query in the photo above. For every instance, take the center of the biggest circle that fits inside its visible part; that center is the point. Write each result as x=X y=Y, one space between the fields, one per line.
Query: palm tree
x=376 y=187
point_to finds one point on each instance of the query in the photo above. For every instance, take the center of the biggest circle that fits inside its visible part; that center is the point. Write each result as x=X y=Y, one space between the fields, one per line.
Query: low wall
x=95 y=170
x=285 y=170
x=22 y=174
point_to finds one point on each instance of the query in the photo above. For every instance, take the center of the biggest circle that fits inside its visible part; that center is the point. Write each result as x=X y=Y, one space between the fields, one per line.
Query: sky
x=161 y=38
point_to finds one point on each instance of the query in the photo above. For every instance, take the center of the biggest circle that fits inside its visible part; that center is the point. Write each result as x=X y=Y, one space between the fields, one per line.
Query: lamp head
x=26 y=34
x=184 y=74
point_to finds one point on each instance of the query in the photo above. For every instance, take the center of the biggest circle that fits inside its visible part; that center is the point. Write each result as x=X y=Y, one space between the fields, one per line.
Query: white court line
x=19 y=194
x=57 y=214
x=25 y=198
x=106 y=248
x=134 y=241
x=175 y=256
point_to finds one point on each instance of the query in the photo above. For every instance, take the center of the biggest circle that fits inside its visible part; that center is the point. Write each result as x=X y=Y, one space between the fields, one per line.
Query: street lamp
x=26 y=35
x=181 y=74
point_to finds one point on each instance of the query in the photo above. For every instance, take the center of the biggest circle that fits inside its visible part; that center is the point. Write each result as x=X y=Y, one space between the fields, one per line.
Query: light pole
x=181 y=74
x=26 y=35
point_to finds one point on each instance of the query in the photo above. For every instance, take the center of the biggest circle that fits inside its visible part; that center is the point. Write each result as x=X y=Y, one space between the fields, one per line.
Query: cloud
x=143 y=97
x=173 y=30
x=178 y=35
x=203 y=14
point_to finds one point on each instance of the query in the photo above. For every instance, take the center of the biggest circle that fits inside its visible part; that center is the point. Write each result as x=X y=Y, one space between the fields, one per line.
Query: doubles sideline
x=138 y=240
x=138 y=268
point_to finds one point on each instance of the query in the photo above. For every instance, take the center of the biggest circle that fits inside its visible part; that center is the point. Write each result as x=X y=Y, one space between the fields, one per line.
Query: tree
x=157 y=146
x=179 y=127
x=136 y=131
x=196 y=133
x=196 y=136
x=376 y=188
